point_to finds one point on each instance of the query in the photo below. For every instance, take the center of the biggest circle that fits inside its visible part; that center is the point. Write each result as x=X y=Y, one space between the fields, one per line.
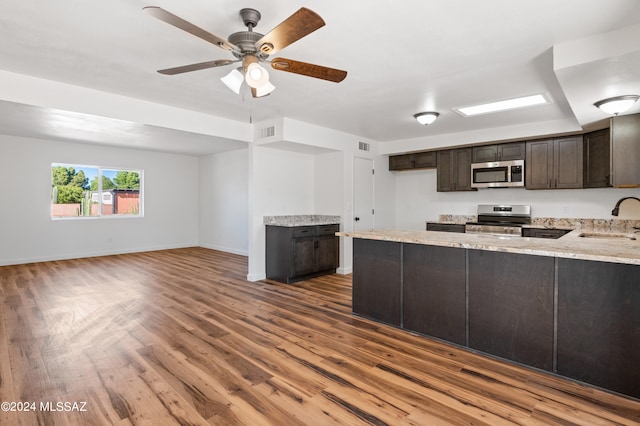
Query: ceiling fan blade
x=170 y=18
x=310 y=70
x=196 y=67
x=301 y=23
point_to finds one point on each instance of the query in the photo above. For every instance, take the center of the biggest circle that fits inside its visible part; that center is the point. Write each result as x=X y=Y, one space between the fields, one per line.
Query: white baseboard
x=256 y=277
x=68 y=256
x=344 y=271
x=225 y=249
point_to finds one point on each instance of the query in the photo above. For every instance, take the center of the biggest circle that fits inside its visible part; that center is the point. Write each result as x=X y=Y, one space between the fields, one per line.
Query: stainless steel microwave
x=497 y=174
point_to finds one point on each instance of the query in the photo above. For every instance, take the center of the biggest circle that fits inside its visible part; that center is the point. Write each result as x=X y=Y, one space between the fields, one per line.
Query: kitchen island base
x=578 y=319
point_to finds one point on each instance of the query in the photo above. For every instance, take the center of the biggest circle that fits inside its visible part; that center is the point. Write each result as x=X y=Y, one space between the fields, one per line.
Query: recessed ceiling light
x=505 y=105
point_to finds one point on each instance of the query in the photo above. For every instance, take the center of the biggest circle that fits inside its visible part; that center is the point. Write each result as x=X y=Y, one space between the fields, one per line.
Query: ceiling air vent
x=363 y=146
x=267 y=132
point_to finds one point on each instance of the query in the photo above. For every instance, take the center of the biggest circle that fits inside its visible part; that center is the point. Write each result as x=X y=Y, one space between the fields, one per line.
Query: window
x=93 y=191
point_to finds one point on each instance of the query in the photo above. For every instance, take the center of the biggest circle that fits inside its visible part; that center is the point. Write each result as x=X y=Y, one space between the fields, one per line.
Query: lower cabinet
x=511 y=306
x=575 y=318
x=297 y=253
x=434 y=298
x=376 y=280
x=599 y=324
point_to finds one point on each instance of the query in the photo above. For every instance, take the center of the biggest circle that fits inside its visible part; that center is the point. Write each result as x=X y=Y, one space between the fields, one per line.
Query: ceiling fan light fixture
x=264 y=90
x=256 y=76
x=426 y=118
x=617 y=104
x=234 y=80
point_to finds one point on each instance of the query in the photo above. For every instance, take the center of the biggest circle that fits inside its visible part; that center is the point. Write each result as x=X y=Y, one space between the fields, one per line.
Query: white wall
x=28 y=234
x=417 y=200
x=280 y=183
x=224 y=201
x=329 y=185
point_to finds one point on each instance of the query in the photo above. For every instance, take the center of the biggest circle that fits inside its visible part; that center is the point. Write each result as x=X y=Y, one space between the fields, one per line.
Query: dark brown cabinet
x=576 y=318
x=554 y=163
x=300 y=252
x=599 y=324
x=511 y=306
x=454 y=170
x=625 y=151
x=418 y=160
x=499 y=152
x=434 y=298
x=596 y=159
x=376 y=285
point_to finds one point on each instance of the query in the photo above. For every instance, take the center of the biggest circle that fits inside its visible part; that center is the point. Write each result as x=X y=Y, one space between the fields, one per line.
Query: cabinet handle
x=316 y=244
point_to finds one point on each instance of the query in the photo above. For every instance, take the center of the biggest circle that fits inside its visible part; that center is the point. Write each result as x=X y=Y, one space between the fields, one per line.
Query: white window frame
x=100 y=192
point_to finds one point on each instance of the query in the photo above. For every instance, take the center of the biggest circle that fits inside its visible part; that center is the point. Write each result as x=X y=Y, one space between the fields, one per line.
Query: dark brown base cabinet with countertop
x=576 y=318
x=295 y=253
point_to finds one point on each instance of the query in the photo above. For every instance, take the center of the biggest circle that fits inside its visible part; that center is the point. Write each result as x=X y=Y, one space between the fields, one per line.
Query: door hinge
x=373 y=171
x=372 y=211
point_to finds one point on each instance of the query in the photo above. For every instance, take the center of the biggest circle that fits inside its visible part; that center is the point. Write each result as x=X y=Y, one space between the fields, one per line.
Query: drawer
x=446 y=227
x=544 y=233
x=304 y=231
x=328 y=229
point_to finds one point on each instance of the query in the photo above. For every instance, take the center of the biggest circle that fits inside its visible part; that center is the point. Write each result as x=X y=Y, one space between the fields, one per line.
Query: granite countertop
x=301 y=220
x=616 y=247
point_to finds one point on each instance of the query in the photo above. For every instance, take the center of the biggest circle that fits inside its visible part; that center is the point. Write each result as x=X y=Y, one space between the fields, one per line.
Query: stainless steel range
x=502 y=220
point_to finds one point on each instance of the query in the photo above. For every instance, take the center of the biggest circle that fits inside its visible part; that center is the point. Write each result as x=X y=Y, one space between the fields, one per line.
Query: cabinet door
x=401 y=162
x=445 y=171
x=597 y=155
x=376 y=280
x=539 y=164
x=599 y=325
x=511 y=306
x=485 y=153
x=327 y=250
x=625 y=150
x=302 y=256
x=567 y=161
x=434 y=298
x=424 y=160
x=511 y=151
x=462 y=169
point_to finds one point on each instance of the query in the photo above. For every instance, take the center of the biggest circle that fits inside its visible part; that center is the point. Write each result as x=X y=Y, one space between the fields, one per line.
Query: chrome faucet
x=616 y=209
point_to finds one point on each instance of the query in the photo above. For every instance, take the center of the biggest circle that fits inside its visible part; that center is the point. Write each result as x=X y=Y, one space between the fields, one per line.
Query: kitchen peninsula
x=569 y=306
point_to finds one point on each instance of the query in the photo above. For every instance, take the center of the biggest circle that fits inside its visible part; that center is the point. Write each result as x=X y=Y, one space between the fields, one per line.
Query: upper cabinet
x=500 y=152
x=625 y=151
x=597 y=159
x=554 y=163
x=454 y=170
x=418 y=160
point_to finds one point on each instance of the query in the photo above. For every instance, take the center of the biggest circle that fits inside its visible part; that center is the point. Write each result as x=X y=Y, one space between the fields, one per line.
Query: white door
x=362 y=194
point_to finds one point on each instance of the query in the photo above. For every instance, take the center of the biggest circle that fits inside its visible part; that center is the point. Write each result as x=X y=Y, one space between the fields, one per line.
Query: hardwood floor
x=180 y=337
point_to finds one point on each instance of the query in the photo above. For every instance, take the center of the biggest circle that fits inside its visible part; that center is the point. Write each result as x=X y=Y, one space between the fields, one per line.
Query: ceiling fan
x=251 y=49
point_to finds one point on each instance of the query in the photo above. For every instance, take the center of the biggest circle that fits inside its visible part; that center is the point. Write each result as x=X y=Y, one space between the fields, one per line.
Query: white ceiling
x=402 y=57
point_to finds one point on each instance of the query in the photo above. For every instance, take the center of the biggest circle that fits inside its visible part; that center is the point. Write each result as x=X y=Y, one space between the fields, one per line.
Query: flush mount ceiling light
x=617 y=104
x=426 y=118
x=507 y=104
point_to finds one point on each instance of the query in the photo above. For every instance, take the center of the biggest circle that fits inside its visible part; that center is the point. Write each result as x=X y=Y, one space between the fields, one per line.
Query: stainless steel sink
x=607 y=235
